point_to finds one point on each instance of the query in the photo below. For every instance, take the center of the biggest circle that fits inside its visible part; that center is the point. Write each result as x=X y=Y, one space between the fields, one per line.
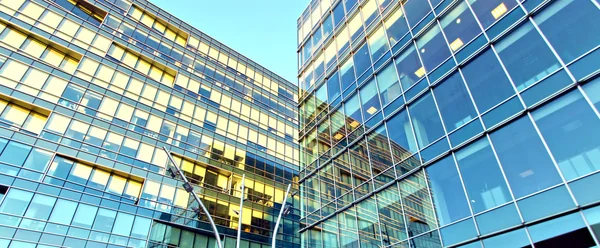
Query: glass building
x=440 y=123
x=90 y=93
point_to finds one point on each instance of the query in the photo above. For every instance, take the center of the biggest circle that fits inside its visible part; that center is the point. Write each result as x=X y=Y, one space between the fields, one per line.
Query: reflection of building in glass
x=90 y=93
x=430 y=123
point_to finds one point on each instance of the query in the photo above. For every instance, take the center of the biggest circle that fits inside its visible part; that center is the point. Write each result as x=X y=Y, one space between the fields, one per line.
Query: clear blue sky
x=262 y=30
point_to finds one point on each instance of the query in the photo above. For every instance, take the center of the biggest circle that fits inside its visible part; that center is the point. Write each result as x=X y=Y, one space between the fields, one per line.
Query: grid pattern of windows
x=90 y=95
x=425 y=122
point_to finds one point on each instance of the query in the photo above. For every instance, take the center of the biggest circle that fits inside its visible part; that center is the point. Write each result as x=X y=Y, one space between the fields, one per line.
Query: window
x=123 y=224
x=418 y=208
x=454 y=102
x=396 y=26
x=15 y=153
x=16 y=202
x=352 y=110
x=378 y=43
x=490 y=88
x=573 y=19
x=104 y=220
x=426 y=120
x=448 y=196
x=489 y=11
x=409 y=67
x=362 y=60
x=526 y=163
x=369 y=99
x=40 y=207
x=401 y=136
x=389 y=86
x=526 y=56
x=347 y=74
x=568 y=125
x=369 y=12
x=63 y=212
x=433 y=48
x=460 y=26
x=482 y=176
x=85 y=215
x=416 y=10
x=38 y=160
x=333 y=87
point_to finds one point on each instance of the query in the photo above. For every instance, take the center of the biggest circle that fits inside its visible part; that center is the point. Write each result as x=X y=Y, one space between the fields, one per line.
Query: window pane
x=15 y=153
x=362 y=61
x=526 y=56
x=63 y=212
x=396 y=26
x=460 y=26
x=425 y=120
x=60 y=167
x=16 y=202
x=333 y=87
x=560 y=230
x=140 y=227
x=573 y=19
x=123 y=224
x=389 y=87
x=448 y=196
x=378 y=43
x=516 y=238
x=526 y=163
x=401 y=136
x=38 y=160
x=570 y=128
x=15 y=115
x=482 y=176
x=454 y=102
x=489 y=11
x=369 y=99
x=418 y=208
x=416 y=10
x=390 y=214
x=409 y=67
x=104 y=220
x=433 y=48
x=84 y=217
x=40 y=207
x=353 y=116
x=491 y=87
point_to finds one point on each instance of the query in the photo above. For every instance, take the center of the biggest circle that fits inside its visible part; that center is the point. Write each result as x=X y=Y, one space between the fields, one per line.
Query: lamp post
x=283 y=208
x=188 y=187
x=239 y=230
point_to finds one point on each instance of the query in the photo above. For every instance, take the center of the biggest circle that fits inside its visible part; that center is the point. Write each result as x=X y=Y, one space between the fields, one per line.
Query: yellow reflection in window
x=133 y=189
x=117 y=184
x=182 y=198
x=100 y=177
x=82 y=171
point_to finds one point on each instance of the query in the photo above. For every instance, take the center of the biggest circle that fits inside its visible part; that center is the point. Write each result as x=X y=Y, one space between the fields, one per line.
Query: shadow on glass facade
x=90 y=93
x=438 y=123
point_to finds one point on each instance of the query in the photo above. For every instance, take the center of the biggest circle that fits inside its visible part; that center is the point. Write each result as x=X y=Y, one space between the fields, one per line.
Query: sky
x=262 y=30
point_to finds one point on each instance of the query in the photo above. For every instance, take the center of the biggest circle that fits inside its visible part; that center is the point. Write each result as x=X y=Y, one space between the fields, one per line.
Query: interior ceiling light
x=499 y=11
x=420 y=72
x=338 y=136
x=354 y=124
x=456 y=44
x=372 y=110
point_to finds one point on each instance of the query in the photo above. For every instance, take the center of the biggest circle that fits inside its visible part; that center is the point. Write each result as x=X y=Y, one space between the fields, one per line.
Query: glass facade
x=440 y=123
x=90 y=93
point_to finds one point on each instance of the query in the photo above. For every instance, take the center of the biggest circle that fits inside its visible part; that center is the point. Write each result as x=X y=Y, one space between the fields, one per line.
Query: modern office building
x=90 y=93
x=440 y=123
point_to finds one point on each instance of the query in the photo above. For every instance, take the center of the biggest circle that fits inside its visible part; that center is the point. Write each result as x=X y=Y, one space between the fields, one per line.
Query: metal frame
x=188 y=187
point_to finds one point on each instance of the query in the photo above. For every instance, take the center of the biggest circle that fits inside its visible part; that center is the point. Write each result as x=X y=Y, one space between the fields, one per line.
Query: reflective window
x=516 y=238
x=327 y=25
x=347 y=74
x=353 y=116
x=526 y=56
x=123 y=224
x=490 y=88
x=409 y=67
x=592 y=216
x=417 y=204
x=63 y=212
x=16 y=202
x=85 y=215
x=454 y=102
x=40 y=207
x=460 y=26
x=569 y=127
x=482 y=176
x=416 y=10
x=369 y=99
x=369 y=11
x=368 y=224
x=401 y=136
x=447 y=191
x=15 y=153
x=433 y=48
x=488 y=11
x=561 y=230
x=389 y=87
x=390 y=215
x=362 y=60
x=573 y=19
x=338 y=14
x=379 y=150
x=526 y=163
x=396 y=26
x=426 y=121
x=378 y=43
x=104 y=220
x=333 y=87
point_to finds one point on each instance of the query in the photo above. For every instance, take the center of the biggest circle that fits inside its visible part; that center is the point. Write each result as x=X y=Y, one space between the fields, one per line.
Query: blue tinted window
x=389 y=87
x=85 y=215
x=362 y=60
x=592 y=216
x=369 y=99
x=123 y=224
x=327 y=26
x=516 y=238
x=16 y=202
x=498 y=219
x=63 y=212
x=526 y=56
x=491 y=87
x=454 y=102
x=592 y=90
x=561 y=230
x=396 y=26
x=545 y=204
x=458 y=232
x=40 y=207
x=459 y=26
x=482 y=176
x=433 y=48
x=338 y=14
x=416 y=10
x=426 y=121
x=489 y=11
x=15 y=153
x=448 y=195
x=401 y=136
x=526 y=163
x=347 y=74
x=570 y=129
x=352 y=110
x=104 y=220
x=577 y=20
x=409 y=67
